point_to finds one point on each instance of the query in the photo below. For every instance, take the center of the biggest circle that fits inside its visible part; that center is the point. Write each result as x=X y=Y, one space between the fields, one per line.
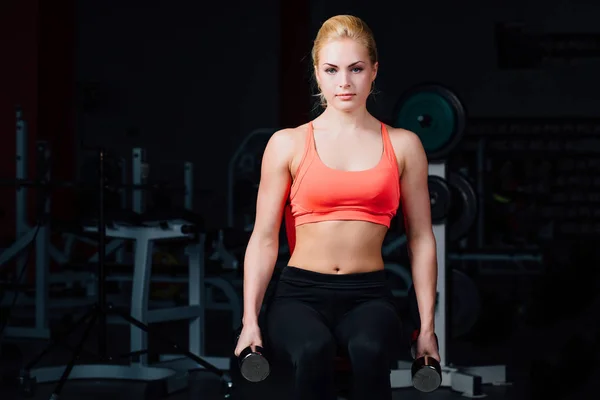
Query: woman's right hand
x=250 y=336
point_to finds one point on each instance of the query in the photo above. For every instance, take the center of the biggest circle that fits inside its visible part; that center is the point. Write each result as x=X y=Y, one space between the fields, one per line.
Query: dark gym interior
x=171 y=104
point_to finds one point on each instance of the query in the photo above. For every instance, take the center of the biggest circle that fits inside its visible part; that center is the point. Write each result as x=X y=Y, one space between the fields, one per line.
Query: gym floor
x=205 y=386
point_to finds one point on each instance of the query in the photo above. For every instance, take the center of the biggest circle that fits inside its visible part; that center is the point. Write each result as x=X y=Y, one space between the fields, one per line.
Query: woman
x=342 y=176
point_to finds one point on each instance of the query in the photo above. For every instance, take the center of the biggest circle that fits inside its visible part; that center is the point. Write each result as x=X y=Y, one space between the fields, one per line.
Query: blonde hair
x=343 y=27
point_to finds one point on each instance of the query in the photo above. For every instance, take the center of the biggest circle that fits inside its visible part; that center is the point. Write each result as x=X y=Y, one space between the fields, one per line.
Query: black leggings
x=314 y=317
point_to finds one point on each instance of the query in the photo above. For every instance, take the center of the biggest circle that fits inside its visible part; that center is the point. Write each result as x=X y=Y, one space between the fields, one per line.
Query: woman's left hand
x=427 y=345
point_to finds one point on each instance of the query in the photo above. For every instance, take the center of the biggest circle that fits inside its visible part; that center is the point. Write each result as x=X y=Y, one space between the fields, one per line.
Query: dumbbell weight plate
x=254 y=367
x=426 y=371
x=426 y=374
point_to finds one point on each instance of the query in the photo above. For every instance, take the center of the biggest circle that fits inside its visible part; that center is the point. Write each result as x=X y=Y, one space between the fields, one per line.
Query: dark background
x=187 y=83
x=188 y=80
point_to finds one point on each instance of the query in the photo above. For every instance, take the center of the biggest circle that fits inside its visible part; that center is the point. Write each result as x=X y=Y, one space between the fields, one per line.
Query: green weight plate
x=431 y=117
x=435 y=114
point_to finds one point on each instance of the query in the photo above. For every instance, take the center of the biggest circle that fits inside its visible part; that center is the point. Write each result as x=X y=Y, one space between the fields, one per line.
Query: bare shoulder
x=406 y=143
x=286 y=139
x=283 y=144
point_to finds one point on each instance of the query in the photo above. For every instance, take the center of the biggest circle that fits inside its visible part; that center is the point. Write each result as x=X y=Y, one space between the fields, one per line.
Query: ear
x=375 y=69
x=317 y=75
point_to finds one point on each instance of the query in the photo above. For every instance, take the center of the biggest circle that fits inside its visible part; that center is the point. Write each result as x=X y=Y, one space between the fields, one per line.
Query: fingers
x=435 y=355
x=256 y=344
x=253 y=346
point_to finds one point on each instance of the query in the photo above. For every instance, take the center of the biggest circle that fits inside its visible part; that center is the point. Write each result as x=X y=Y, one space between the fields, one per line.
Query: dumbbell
x=254 y=366
x=426 y=371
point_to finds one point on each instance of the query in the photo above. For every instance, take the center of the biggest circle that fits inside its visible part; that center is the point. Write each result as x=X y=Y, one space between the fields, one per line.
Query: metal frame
x=45 y=251
x=25 y=235
x=465 y=380
x=145 y=237
x=174 y=374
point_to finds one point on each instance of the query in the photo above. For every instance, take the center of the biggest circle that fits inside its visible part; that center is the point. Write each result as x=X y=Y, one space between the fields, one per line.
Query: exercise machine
x=144 y=234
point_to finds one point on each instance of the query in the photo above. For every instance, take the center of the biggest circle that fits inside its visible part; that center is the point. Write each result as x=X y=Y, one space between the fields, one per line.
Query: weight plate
x=440 y=197
x=435 y=114
x=431 y=117
x=465 y=305
x=463 y=209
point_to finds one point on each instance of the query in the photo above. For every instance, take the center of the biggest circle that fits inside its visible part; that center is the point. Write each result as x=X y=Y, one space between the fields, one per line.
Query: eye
x=330 y=70
x=357 y=69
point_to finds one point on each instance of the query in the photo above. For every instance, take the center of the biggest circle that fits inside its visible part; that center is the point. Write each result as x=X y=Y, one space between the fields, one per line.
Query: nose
x=344 y=80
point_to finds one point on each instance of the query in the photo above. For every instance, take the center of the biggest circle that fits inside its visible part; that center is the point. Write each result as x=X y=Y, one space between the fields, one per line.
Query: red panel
x=36 y=72
x=19 y=83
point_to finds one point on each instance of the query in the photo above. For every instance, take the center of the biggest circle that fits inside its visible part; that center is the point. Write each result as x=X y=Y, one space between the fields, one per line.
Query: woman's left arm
x=416 y=208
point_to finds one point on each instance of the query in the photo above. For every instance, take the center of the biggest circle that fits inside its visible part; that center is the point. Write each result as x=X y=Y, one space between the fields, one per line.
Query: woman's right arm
x=263 y=246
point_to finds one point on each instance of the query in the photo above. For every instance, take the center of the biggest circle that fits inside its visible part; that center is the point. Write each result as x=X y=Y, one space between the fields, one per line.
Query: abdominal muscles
x=339 y=247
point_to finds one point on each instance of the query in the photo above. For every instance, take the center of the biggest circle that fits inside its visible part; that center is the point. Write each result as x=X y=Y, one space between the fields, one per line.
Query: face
x=345 y=74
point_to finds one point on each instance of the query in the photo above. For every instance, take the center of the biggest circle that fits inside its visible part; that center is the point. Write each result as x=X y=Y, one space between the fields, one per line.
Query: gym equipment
x=440 y=198
x=45 y=251
x=435 y=114
x=520 y=48
x=39 y=236
x=99 y=311
x=102 y=309
x=454 y=202
x=426 y=371
x=465 y=380
x=243 y=177
x=463 y=206
x=253 y=365
x=426 y=374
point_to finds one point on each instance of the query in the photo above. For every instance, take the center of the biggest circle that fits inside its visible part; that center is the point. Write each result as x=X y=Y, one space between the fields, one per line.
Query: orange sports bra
x=320 y=193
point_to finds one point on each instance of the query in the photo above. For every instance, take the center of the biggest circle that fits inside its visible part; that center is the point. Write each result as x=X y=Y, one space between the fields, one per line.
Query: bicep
x=416 y=205
x=274 y=185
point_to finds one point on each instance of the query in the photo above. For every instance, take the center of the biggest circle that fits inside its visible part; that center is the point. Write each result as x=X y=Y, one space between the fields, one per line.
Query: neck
x=346 y=120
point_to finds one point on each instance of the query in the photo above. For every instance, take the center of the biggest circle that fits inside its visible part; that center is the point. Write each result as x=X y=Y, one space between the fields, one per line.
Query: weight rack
x=466 y=380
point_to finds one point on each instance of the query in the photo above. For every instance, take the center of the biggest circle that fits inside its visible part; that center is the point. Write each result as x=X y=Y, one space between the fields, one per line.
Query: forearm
x=259 y=263
x=422 y=252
